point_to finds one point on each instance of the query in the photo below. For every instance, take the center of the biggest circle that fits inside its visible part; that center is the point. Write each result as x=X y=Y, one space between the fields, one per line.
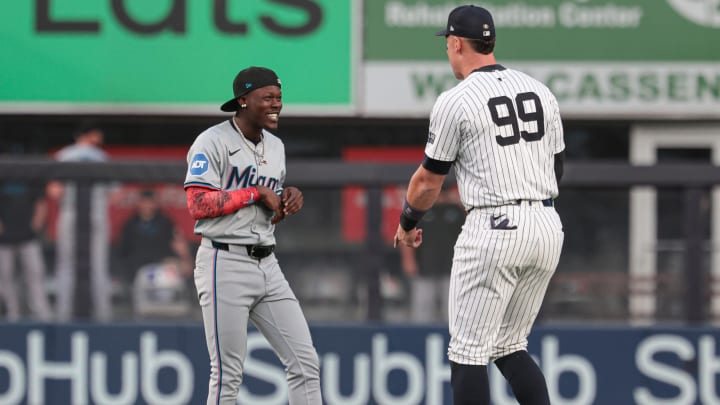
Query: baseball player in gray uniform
x=234 y=188
x=502 y=132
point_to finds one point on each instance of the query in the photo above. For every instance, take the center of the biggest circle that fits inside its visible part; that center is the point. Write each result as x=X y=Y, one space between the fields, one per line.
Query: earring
x=243 y=105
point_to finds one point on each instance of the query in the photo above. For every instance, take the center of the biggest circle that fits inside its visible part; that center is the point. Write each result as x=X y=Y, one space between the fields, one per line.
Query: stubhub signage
x=388 y=364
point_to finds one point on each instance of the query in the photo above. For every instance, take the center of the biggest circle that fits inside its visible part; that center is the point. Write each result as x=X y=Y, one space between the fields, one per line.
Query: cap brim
x=442 y=33
x=230 y=105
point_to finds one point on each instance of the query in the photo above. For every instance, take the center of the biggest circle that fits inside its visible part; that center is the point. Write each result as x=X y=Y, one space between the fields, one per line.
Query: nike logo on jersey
x=232 y=152
x=501 y=222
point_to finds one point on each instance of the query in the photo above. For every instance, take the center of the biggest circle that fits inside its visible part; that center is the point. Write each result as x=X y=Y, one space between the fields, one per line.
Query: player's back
x=81 y=153
x=509 y=131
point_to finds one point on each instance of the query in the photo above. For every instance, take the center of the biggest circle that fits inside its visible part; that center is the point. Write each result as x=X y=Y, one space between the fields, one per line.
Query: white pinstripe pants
x=66 y=264
x=499 y=279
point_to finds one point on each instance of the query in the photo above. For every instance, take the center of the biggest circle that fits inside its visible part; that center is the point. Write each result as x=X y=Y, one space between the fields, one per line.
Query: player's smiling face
x=263 y=107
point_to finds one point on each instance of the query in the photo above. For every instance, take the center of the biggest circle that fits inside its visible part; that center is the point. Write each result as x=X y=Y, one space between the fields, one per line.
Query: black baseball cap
x=247 y=80
x=469 y=21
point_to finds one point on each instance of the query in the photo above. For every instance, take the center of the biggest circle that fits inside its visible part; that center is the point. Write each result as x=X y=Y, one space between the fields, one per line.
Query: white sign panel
x=636 y=90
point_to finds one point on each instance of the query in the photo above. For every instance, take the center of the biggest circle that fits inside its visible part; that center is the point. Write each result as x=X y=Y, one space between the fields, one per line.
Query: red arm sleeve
x=206 y=203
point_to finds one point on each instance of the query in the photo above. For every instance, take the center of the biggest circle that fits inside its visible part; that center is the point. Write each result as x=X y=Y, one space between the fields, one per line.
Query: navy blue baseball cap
x=471 y=22
x=247 y=80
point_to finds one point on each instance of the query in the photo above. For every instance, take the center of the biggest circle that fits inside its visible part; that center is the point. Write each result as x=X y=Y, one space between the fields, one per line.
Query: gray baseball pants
x=33 y=269
x=234 y=288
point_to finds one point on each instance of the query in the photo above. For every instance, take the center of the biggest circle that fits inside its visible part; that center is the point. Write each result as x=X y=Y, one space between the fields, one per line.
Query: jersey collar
x=234 y=125
x=490 y=68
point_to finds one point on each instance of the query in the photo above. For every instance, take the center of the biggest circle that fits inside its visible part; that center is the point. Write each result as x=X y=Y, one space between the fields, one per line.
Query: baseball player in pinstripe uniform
x=86 y=148
x=234 y=188
x=502 y=132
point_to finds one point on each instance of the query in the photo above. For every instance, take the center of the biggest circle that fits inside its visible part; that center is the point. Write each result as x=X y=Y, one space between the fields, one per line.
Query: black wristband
x=411 y=212
x=406 y=223
x=410 y=216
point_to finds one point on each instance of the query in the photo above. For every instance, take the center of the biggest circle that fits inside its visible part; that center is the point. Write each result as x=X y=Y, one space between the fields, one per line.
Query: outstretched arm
x=423 y=190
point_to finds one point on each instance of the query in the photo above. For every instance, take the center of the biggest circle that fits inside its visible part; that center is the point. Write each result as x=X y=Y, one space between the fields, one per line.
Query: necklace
x=257 y=149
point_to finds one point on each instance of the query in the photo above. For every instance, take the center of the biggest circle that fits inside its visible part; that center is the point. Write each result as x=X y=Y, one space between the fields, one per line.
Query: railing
x=334 y=174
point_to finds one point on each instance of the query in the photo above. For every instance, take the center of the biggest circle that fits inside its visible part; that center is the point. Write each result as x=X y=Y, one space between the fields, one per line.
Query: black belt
x=546 y=203
x=256 y=251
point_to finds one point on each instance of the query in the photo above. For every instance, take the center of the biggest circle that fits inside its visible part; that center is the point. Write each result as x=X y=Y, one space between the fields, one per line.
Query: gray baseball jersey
x=501 y=128
x=222 y=159
x=233 y=287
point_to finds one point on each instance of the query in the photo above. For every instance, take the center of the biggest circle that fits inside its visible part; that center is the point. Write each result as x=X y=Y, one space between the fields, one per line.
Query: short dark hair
x=85 y=127
x=482 y=46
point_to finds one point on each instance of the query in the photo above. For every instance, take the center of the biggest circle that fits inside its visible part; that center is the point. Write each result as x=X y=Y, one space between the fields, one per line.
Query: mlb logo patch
x=431 y=138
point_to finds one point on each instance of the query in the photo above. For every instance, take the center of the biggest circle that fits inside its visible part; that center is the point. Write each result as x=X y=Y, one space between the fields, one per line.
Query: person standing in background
x=428 y=267
x=23 y=212
x=149 y=237
x=83 y=235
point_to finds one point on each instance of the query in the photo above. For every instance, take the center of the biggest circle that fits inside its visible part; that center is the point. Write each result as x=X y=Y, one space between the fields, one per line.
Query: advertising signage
x=603 y=58
x=606 y=59
x=360 y=365
x=171 y=56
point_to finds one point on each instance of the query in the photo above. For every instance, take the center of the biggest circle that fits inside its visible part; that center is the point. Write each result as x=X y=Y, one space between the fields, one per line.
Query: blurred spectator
x=150 y=237
x=22 y=216
x=428 y=266
x=82 y=260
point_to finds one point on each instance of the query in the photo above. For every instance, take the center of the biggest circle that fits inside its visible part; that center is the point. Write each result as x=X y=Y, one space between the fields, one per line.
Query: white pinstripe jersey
x=221 y=159
x=501 y=128
x=84 y=153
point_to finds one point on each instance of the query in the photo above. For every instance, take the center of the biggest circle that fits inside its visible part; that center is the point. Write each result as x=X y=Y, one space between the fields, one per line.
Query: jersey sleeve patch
x=431 y=137
x=199 y=164
x=436 y=166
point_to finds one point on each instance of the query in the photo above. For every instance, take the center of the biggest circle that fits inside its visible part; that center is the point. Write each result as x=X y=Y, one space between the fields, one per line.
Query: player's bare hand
x=292 y=200
x=412 y=238
x=272 y=201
